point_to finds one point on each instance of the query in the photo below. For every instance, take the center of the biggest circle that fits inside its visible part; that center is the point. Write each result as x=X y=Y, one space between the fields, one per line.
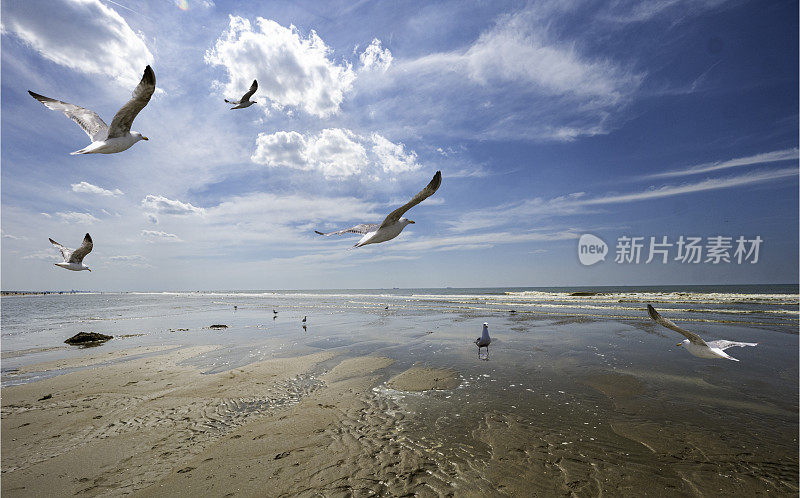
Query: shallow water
x=580 y=394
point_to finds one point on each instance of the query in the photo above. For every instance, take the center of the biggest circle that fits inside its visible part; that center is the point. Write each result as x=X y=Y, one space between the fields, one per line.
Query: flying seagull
x=391 y=227
x=73 y=260
x=694 y=344
x=108 y=139
x=245 y=100
x=484 y=340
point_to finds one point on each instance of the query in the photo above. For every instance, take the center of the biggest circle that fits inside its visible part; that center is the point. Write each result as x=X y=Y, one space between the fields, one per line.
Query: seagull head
x=406 y=221
x=682 y=343
x=139 y=135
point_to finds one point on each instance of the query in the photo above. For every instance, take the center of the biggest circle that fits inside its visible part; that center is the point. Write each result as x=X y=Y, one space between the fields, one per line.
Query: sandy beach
x=397 y=403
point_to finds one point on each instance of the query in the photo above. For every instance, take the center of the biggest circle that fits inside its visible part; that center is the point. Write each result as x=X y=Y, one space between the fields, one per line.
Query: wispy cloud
x=764 y=158
x=130 y=260
x=482 y=240
x=88 y=188
x=579 y=202
x=75 y=217
x=688 y=188
x=561 y=93
x=162 y=205
x=14 y=237
x=67 y=32
x=154 y=235
x=42 y=255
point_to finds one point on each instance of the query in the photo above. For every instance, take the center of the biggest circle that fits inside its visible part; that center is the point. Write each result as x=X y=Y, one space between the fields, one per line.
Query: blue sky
x=548 y=120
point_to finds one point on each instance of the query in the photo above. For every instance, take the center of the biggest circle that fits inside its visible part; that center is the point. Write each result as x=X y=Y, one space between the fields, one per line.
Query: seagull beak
x=89 y=269
x=679 y=344
x=145 y=138
x=411 y=221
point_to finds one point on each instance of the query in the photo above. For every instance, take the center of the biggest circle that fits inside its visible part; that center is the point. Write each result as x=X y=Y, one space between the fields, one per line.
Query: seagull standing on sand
x=394 y=223
x=73 y=260
x=694 y=344
x=245 y=100
x=484 y=340
x=304 y=319
x=108 y=139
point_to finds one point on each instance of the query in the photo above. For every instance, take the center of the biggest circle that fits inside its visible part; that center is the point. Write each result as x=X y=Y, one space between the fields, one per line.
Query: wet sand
x=560 y=409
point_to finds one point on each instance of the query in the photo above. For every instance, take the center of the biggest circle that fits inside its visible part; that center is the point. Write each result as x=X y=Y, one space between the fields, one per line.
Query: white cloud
x=69 y=33
x=392 y=157
x=88 y=188
x=162 y=205
x=292 y=70
x=74 y=217
x=334 y=152
x=376 y=57
x=766 y=157
x=155 y=235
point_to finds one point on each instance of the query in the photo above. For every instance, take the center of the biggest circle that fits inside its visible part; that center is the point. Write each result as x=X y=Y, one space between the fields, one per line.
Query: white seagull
x=245 y=100
x=108 y=139
x=73 y=260
x=694 y=344
x=484 y=340
x=391 y=227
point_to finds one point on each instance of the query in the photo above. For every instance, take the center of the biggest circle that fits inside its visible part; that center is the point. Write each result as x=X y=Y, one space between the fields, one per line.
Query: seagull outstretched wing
x=85 y=248
x=65 y=253
x=250 y=92
x=693 y=338
x=123 y=119
x=88 y=120
x=723 y=344
x=423 y=194
x=362 y=229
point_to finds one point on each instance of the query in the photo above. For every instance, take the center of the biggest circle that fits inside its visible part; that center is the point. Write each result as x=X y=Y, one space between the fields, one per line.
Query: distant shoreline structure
x=41 y=293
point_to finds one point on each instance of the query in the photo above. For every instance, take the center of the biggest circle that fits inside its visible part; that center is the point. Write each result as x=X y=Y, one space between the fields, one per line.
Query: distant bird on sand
x=484 y=340
x=235 y=307
x=386 y=308
x=245 y=100
x=394 y=223
x=73 y=260
x=108 y=139
x=304 y=319
x=274 y=312
x=694 y=344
